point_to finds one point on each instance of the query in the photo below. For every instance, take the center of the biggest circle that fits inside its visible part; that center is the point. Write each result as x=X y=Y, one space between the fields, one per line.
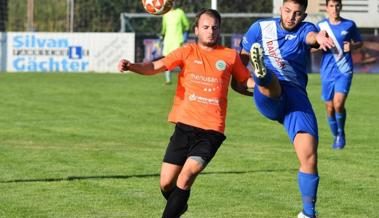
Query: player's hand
x=346 y=46
x=324 y=40
x=123 y=65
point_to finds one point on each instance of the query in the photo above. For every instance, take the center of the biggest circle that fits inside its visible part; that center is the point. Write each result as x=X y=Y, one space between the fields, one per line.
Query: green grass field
x=91 y=145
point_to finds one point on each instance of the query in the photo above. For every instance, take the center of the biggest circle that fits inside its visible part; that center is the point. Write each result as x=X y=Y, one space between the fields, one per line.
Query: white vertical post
x=68 y=16
x=30 y=16
x=214 y=4
x=72 y=16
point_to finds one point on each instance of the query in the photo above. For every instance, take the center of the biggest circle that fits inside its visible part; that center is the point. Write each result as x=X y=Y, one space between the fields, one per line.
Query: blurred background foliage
x=104 y=15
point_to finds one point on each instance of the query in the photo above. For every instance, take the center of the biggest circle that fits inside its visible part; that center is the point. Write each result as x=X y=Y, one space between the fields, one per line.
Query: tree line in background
x=3 y=15
x=104 y=15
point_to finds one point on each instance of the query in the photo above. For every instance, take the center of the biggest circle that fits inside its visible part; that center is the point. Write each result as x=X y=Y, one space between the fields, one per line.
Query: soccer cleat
x=256 y=58
x=302 y=215
x=339 y=142
x=334 y=143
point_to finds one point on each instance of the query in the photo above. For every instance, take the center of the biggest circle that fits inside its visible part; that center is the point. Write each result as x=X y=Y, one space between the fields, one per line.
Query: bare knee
x=166 y=185
x=340 y=107
x=309 y=163
x=187 y=176
x=169 y=175
x=339 y=102
x=306 y=149
x=329 y=108
x=185 y=180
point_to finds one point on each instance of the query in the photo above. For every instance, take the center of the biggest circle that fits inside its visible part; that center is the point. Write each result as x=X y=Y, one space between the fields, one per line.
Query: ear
x=304 y=16
x=196 y=31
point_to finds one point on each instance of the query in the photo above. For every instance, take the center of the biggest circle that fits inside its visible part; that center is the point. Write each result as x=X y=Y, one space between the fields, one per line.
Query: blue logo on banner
x=75 y=52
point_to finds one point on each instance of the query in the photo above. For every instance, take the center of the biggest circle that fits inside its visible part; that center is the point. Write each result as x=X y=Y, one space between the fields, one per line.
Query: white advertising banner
x=67 y=52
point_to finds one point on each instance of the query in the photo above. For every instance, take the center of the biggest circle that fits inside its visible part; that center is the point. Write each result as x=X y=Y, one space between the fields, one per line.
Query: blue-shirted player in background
x=337 y=68
x=279 y=49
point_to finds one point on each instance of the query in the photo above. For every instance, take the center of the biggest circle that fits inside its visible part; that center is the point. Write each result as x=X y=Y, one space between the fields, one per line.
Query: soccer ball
x=157 y=7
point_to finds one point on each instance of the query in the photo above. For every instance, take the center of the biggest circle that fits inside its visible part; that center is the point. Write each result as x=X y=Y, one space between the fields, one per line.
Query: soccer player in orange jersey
x=199 y=108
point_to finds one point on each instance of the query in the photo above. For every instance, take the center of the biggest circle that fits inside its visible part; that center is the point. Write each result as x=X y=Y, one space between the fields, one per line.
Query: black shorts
x=189 y=141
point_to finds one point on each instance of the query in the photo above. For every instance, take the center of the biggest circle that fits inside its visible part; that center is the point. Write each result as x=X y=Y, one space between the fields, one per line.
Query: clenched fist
x=123 y=65
x=346 y=46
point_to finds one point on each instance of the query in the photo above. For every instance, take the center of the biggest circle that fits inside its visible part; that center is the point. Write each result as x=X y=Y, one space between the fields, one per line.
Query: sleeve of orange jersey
x=175 y=58
x=239 y=70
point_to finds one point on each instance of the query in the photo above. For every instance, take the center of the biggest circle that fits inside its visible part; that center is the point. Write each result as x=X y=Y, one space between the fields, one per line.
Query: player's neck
x=335 y=20
x=206 y=47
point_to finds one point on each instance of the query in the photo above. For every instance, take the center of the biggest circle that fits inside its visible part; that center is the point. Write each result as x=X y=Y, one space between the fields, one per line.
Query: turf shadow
x=73 y=178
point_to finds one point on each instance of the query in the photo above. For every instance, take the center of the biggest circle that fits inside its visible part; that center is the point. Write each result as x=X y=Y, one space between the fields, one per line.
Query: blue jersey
x=286 y=53
x=335 y=61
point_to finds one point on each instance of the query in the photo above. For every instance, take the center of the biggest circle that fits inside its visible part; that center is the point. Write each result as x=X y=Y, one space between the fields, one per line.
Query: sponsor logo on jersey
x=272 y=52
x=204 y=100
x=290 y=37
x=204 y=79
x=220 y=65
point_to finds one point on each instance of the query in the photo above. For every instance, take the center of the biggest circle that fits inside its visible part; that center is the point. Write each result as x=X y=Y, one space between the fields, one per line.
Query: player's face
x=207 y=31
x=333 y=9
x=291 y=14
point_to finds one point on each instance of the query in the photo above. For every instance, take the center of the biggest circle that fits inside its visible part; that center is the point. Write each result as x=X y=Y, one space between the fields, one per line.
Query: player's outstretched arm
x=245 y=57
x=245 y=88
x=350 y=46
x=148 y=68
x=320 y=40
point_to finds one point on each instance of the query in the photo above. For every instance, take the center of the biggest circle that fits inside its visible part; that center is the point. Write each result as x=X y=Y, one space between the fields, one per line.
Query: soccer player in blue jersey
x=279 y=49
x=337 y=68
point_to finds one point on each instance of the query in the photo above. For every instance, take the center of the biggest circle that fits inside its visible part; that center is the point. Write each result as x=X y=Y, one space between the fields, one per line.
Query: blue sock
x=308 y=184
x=265 y=81
x=333 y=125
x=341 y=118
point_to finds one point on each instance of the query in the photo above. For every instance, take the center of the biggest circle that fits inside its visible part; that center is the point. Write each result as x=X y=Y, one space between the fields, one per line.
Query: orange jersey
x=201 y=94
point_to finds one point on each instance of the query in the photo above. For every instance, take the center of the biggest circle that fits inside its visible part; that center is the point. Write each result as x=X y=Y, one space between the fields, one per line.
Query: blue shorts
x=293 y=109
x=340 y=84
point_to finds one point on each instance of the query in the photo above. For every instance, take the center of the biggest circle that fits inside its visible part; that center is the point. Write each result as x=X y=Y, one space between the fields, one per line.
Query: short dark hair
x=210 y=12
x=339 y=1
x=303 y=3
